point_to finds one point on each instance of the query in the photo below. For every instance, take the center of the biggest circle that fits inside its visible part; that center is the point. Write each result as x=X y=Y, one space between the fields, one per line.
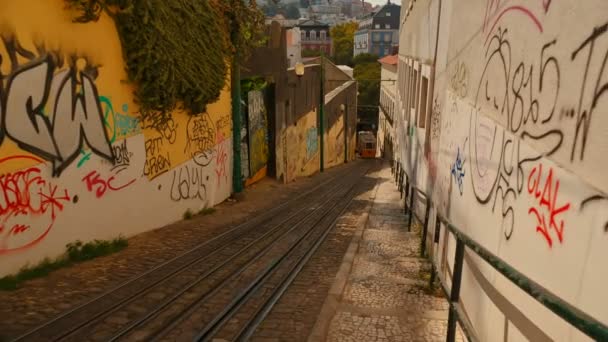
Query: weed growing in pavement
x=75 y=252
x=206 y=211
x=188 y=215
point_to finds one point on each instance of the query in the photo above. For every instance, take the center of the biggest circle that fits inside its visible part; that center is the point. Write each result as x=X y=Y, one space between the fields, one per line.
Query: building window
x=323 y=35
x=388 y=14
x=313 y=35
x=376 y=50
x=387 y=26
x=303 y=35
x=387 y=37
x=376 y=37
x=377 y=26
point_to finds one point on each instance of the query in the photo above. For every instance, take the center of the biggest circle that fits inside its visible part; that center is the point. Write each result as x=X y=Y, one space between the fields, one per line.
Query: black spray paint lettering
x=189 y=182
x=70 y=97
x=584 y=113
x=156 y=162
x=596 y=199
x=200 y=135
x=513 y=93
x=122 y=156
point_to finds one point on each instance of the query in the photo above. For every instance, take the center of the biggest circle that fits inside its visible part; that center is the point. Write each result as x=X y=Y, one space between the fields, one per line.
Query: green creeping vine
x=177 y=51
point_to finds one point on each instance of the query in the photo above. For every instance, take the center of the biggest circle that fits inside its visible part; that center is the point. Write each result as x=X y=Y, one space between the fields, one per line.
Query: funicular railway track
x=221 y=288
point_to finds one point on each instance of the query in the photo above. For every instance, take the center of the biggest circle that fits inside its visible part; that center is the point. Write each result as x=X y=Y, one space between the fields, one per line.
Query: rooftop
x=390 y=60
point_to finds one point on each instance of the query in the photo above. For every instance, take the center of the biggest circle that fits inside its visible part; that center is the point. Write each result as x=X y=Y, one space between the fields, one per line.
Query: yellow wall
x=138 y=176
x=302 y=147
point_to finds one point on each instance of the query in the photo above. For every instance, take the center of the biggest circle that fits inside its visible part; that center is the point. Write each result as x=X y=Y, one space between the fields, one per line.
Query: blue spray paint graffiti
x=457 y=171
x=117 y=124
x=312 y=144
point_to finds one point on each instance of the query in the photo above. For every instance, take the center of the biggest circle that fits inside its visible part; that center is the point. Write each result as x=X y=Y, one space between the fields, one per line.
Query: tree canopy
x=289 y=11
x=343 y=36
x=311 y=53
x=190 y=74
x=368 y=77
x=292 y=11
x=365 y=58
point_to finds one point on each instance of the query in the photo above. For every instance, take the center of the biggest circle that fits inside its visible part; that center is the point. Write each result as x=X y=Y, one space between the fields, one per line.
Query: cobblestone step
x=386 y=295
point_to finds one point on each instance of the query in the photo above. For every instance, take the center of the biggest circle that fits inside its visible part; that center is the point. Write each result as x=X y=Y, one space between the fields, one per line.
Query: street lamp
x=299 y=69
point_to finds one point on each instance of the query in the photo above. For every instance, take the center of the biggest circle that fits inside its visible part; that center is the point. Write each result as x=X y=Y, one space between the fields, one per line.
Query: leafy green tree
x=365 y=58
x=292 y=11
x=368 y=79
x=311 y=53
x=270 y=9
x=343 y=37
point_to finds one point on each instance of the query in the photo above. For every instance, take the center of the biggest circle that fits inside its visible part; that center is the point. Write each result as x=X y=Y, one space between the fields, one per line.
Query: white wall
x=84 y=164
x=515 y=151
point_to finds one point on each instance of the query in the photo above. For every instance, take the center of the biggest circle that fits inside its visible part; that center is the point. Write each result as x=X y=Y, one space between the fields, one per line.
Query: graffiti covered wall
x=77 y=159
x=515 y=152
x=301 y=144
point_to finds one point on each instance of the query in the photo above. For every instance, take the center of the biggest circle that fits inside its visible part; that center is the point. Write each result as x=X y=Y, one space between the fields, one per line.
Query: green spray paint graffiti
x=118 y=125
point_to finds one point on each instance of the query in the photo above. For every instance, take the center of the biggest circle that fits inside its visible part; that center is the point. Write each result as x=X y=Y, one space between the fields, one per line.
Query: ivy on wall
x=250 y=84
x=176 y=51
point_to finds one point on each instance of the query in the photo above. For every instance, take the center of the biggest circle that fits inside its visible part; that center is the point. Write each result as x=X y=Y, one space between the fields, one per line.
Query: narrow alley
x=303 y=170
x=271 y=277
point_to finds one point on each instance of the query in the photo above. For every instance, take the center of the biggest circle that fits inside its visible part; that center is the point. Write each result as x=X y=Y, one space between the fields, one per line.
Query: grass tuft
x=188 y=215
x=206 y=211
x=75 y=252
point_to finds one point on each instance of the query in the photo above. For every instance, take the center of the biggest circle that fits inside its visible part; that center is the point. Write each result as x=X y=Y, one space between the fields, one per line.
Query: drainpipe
x=235 y=87
x=321 y=108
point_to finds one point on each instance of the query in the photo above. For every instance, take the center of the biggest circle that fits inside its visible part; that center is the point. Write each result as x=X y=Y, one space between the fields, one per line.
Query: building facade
x=294 y=46
x=386 y=114
x=378 y=32
x=314 y=35
x=495 y=124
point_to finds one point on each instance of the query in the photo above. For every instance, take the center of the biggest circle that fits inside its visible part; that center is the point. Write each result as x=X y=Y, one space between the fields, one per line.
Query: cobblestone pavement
x=294 y=315
x=386 y=295
x=39 y=300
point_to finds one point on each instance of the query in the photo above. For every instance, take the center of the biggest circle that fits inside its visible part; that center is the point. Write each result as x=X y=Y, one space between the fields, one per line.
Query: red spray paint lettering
x=547 y=198
x=220 y=169
x=94 y=181
x=26 y=195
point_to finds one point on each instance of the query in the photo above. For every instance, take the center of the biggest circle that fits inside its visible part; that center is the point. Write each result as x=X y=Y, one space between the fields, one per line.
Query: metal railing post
x=407 y=184
x=435 y=240
x=455 y=292
x=400 y=185
x=412 y=195
x=397 y=172
x=425 y=228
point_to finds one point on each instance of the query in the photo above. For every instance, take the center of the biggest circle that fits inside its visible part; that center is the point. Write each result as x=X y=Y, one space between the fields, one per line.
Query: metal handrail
x=574 y=316
x=577 y=318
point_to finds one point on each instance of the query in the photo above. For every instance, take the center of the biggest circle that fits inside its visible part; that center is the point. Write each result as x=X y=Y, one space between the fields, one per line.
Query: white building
x=386 y=114
x=294 y=46
x=496 y=124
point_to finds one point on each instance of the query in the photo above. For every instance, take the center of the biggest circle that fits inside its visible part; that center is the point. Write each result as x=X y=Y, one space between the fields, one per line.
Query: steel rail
x=219 y=320
x=157 y=309
x=248 y=224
